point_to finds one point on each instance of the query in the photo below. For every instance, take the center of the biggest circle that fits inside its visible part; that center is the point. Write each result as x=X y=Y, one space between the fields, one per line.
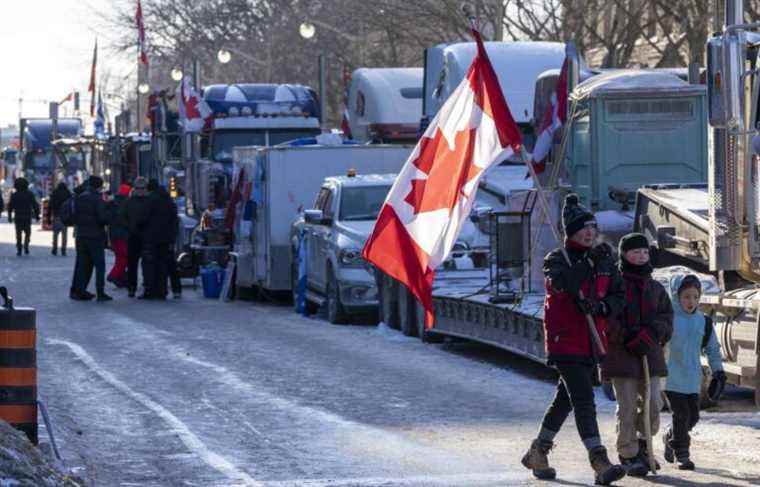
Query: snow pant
x=60 y=229
x=23 y=234
x=119 y=270
x=685 y=409
x=91 y=254
x=155 y=269
x=630 y=412
x=575 y=393
x=134 y=251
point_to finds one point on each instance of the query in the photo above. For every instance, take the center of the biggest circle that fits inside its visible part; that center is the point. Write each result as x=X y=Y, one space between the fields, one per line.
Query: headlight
x=350 y=257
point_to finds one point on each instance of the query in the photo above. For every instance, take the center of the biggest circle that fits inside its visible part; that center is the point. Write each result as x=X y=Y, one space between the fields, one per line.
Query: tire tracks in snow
x=191 y=441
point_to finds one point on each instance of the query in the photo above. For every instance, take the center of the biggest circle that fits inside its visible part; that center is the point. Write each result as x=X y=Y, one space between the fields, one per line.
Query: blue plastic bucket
x=212 y=279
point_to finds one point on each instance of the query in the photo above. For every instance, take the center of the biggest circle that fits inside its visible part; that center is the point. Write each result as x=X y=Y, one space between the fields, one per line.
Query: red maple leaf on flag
x=448 y=171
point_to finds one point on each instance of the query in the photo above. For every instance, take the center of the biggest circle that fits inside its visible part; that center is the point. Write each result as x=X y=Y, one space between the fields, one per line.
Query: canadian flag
x=554 y=119
x=435 y=190
x=194 y=112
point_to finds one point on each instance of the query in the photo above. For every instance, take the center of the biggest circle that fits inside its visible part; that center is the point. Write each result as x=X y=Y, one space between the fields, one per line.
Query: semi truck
x=714 y=227
x=624 y=129
x=37 y=161
x=384 y=105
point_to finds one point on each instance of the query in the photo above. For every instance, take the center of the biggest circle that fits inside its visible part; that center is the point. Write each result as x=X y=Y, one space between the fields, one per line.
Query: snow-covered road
x=202 y=393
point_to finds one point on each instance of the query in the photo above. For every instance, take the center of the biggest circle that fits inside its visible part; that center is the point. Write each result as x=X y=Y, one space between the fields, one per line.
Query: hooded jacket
x=23 y=205
x=647 y=304
x=567 y=336
x=684 y=364
x=160 y=222
x=59 y=196
x=91 y=216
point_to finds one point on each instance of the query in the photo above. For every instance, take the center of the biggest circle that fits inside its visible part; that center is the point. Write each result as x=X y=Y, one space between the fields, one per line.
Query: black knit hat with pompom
x=575 y=216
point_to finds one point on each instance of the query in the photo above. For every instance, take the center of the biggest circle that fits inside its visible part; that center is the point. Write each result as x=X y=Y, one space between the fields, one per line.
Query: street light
x=177 y=74
x=307 y=30
x=143 y=88
x=224 y=56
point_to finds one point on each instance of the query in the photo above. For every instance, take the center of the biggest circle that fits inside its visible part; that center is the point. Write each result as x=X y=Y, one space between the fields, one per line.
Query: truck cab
x=333 y=233
x=36 y=155
x=247 y=114
x=384 y=105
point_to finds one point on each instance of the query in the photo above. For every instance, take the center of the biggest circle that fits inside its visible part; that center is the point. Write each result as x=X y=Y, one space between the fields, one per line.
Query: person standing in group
x=133 y=213
x=59 y=196
x=73 y=293
x=589 y=286
x=693 y=335
x=118 y=232
x=160 y=232
x=90 y=221
x=22 y=208
x=641 y=329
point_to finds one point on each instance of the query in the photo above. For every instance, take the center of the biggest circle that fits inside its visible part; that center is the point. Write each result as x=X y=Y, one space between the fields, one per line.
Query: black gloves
x=574 y=276
x=639 y=341
x=717 y=384
x=591 y=307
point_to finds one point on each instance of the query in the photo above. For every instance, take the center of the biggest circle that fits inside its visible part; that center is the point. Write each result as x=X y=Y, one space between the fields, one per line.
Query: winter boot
x=682 y=457
x=669 y=455
x=536 y=459
x=644 y=455
x=634 y=467
x=604 y=472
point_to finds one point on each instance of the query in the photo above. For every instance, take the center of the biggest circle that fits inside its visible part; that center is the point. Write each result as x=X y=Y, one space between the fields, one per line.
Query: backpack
x=68 y=211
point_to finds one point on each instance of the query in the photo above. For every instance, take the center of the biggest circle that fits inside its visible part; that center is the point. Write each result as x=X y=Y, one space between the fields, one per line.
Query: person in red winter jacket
x=589 y=285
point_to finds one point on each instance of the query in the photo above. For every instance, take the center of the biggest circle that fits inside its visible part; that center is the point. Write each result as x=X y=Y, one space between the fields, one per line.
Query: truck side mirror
x=313 y=217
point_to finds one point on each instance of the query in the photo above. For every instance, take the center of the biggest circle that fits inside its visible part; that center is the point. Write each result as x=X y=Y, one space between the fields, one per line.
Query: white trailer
x=279 y=182
x=385 y=104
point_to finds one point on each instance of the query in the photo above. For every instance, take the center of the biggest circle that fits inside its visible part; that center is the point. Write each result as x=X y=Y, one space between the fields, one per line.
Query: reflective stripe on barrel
x=18 y=370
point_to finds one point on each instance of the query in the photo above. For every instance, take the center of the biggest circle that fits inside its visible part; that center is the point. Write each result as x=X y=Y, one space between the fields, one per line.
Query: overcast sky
x=47 y=51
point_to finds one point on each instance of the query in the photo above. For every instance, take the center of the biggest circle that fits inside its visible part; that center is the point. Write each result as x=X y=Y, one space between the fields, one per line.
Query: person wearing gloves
x=589 y=285
x=693 y=335
x=642 y=329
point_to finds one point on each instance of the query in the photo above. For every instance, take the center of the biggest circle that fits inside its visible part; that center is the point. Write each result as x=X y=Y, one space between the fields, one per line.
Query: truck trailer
x=278 y=183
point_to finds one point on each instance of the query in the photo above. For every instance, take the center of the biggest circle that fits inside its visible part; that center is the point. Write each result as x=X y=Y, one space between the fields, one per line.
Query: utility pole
x=500 y=11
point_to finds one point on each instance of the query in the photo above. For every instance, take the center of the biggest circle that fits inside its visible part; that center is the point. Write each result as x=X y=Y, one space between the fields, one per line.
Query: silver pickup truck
x=333 y=233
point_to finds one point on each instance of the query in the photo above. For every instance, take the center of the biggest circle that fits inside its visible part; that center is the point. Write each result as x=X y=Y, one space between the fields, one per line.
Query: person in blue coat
x=693 y=335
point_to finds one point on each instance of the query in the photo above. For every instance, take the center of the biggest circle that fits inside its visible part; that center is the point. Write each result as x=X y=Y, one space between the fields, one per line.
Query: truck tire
x=335 y=312
x=389 y=309
x=407 y=312
x=424 y=335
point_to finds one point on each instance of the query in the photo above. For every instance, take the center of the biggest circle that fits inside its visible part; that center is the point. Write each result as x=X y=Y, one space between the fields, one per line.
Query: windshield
x=42 y=160
x=286 y=135
x=529 y=141
x=223 y=142
x=362 y=203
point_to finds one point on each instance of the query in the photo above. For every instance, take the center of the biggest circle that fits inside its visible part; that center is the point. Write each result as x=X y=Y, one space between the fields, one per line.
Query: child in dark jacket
x=693 y=334
x=641 y=330
x=588 y=286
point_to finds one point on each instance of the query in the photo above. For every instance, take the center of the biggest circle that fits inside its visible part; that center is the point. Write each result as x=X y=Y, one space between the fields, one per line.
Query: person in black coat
x=25 y=206
x=133 y=213
x=90 y=220
x=159 y=234
x=59 y=196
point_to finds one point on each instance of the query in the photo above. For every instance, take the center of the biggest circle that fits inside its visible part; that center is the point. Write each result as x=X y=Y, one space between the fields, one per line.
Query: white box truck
x=275 y=184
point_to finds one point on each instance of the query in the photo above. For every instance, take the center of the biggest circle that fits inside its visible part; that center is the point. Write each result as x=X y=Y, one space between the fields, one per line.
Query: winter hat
x=21 y=184
x=575 y=216
x=95 y=182
x=124 y=189
x=140 y=182
x=690 y=281
x=632 y=241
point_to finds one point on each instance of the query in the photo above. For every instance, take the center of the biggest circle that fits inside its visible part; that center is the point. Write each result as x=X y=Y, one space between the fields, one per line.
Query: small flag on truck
x=435 y=190
x=554 y=119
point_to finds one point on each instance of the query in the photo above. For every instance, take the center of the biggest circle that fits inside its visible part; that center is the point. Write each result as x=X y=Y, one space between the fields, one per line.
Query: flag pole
x=545 y=207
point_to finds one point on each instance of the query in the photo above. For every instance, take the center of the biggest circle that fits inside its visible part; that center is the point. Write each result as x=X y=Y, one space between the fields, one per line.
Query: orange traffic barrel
x=18 y=369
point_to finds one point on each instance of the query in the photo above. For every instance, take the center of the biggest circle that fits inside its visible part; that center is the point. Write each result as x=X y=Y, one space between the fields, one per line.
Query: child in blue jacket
x=693 y=334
